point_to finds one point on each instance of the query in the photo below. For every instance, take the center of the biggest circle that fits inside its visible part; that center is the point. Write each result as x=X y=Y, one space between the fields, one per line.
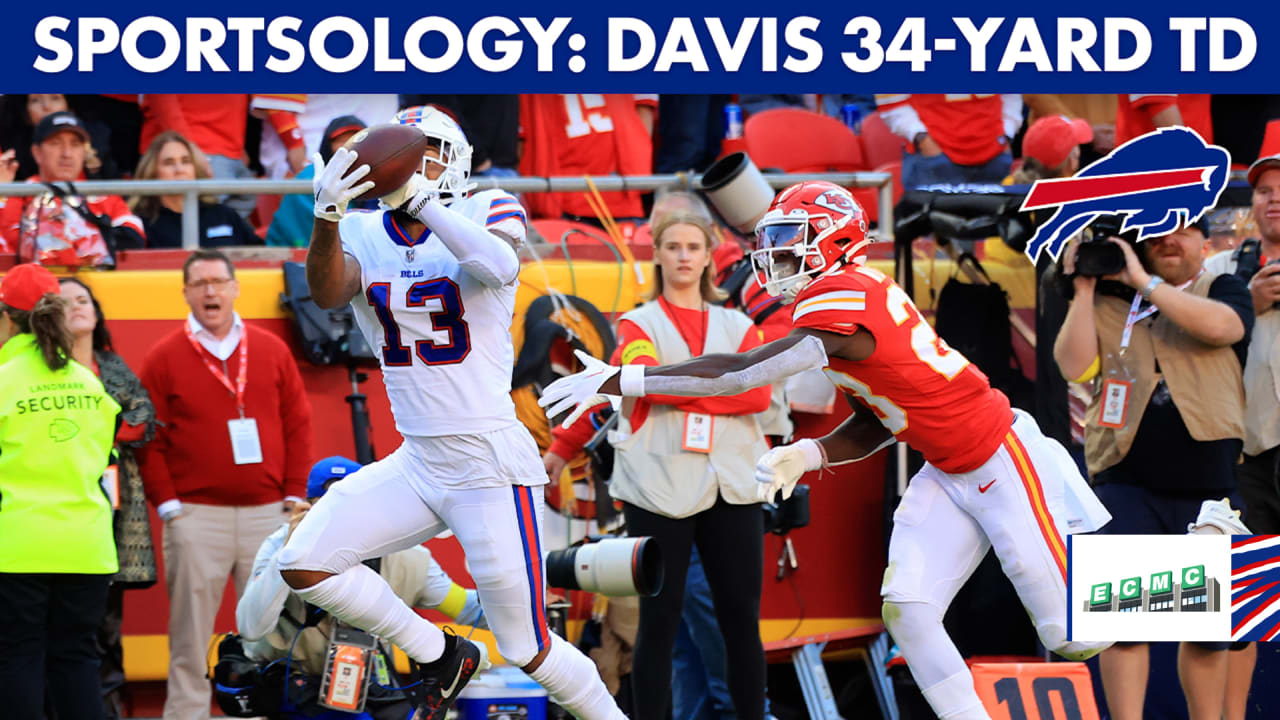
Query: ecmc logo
x=1194 y=593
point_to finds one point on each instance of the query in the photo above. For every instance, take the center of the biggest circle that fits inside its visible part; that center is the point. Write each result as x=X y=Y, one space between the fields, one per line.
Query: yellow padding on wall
x=157 y=294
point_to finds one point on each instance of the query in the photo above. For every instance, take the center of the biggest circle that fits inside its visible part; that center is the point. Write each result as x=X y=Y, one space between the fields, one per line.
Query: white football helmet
x=455 y=152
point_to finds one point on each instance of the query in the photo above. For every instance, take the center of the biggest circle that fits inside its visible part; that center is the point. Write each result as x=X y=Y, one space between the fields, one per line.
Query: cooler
x=502 y=693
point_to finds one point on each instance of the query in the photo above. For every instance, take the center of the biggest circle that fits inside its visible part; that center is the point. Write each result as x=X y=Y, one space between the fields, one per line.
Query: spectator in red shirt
x=1138 y=114
x=228 y=463
x=293 y=124
x=173 y=157
x=46 y=229
x=683 y=469
x=953 y=139
x=593 y=135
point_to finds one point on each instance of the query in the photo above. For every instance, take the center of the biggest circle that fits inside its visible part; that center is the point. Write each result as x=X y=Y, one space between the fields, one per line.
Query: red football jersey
x=1133 y=114
x=577 y=135
x=968 y=128
x=929 y=395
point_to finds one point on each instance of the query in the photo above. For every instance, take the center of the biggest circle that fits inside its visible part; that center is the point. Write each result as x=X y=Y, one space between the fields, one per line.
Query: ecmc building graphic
x=1195 y=593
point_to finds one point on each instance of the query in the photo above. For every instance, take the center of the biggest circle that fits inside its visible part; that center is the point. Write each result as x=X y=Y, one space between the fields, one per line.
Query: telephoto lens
x=612 y=566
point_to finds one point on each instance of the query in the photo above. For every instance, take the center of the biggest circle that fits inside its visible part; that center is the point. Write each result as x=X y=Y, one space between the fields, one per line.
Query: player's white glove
x=334 y=187
x=582 y=389
x=781 y=468
x=420 y=191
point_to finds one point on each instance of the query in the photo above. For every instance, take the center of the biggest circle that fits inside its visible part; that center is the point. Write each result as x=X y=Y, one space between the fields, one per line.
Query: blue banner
x=508 y=47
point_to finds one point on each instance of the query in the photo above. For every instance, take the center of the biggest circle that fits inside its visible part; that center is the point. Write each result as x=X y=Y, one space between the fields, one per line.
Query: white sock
x=935 y=663
x=955 y=699
x=574 y=683
x=360 y=597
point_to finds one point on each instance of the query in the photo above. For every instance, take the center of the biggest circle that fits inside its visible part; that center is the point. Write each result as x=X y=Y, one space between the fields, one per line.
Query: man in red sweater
x=229 y=460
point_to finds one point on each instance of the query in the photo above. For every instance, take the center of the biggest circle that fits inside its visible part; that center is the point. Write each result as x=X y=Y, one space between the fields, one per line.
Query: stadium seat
x=879 y=144
x=794 y=140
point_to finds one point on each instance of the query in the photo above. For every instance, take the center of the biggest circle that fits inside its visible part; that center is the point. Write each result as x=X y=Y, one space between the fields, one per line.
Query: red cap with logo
x=24 y=285
x=1049 y=140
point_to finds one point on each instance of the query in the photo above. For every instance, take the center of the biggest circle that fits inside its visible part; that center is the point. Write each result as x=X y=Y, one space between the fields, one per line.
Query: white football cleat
x=1217 y=518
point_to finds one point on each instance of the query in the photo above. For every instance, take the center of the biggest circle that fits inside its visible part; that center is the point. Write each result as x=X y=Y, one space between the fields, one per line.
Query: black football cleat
x=440 y=682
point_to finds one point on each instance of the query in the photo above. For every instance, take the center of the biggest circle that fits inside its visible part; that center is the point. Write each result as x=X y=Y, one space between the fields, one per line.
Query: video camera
x=1097 y=256
x=612 y=566
x=783 y=517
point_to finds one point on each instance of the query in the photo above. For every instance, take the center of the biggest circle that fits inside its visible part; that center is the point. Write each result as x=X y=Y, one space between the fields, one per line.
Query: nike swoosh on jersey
x=984 y=488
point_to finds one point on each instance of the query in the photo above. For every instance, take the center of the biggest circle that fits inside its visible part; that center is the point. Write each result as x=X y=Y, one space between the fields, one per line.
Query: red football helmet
x=811 y=227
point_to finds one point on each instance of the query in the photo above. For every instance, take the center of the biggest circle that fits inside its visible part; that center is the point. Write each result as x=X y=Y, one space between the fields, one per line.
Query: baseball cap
x=337 y=126
x=330 y=468
x=56 y=123
x=1260 y=165
x=24 y=285
x=1202 y=225
x=1049 y=140
x=343 y=124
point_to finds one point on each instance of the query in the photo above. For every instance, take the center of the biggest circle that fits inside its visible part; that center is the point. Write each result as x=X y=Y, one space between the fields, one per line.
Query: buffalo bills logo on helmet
x=1157 y=181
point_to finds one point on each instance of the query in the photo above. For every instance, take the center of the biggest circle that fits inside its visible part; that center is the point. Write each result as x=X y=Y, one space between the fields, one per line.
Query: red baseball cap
x=24 y=285
x=1049 y=140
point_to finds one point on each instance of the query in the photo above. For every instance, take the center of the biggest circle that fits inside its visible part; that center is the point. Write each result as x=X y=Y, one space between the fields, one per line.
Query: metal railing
x=192 y=190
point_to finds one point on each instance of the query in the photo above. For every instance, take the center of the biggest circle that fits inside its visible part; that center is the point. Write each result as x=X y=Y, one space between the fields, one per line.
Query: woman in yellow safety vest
x=57 y=554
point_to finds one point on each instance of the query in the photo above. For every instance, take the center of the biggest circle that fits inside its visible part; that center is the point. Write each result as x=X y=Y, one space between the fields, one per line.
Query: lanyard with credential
x=241 y=378
x=1135 y=315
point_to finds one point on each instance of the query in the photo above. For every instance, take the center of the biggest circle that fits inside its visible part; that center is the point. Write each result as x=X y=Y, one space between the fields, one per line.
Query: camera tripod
x=359 y=416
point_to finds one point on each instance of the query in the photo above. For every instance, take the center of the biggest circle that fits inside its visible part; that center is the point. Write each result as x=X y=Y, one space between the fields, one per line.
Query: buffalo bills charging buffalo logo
x=1156 y=182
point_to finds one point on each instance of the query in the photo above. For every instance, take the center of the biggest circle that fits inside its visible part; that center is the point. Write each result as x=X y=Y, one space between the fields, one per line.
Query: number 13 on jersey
x=432 y=311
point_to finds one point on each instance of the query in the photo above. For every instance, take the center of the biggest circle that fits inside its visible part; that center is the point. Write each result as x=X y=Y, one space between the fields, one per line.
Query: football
x=393 y=153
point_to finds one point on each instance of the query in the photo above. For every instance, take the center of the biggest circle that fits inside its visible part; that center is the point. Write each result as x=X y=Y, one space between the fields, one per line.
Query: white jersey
x=443 y=338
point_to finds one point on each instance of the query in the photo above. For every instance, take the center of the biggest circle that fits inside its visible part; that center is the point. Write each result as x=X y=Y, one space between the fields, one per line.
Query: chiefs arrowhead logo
x=836 y=200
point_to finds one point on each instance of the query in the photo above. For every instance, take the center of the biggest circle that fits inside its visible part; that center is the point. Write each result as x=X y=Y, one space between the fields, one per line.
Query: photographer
x=684 y=472
x=1164 y=430
x=275 y=623
x=1255 y=262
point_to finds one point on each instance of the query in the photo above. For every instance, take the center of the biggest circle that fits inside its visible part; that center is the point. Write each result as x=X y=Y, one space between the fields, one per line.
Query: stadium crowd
x=922 y=139
x=228 y=515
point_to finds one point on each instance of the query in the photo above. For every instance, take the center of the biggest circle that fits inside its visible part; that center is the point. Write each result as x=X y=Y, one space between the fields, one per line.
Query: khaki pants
x=201 y=548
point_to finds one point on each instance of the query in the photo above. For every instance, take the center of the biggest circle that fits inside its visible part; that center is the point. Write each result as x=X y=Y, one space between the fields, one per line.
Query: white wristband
x=631 y=380
x=814 y=457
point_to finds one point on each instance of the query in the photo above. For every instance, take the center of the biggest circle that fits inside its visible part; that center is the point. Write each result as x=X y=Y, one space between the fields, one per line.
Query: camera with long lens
x=783 y=517
x=612 y=566
x=1097 y=256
